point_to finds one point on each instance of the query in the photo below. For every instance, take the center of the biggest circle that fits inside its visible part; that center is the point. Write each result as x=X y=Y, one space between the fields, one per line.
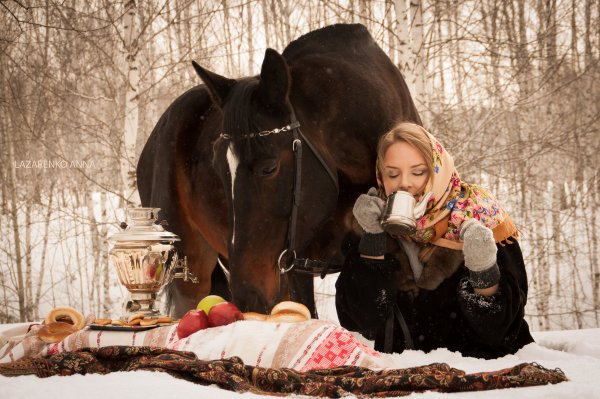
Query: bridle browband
x=306 y=266
x=262 y=133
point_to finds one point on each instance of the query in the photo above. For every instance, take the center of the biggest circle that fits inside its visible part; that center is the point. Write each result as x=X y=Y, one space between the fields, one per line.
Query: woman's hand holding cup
x=368 y=209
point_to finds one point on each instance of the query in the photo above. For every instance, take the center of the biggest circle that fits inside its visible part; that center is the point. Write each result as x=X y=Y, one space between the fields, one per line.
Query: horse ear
x=218 y=86
x=274 y=78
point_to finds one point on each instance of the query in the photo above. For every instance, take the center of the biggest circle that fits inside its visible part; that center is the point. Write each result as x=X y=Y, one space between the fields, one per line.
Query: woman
x=458 y=282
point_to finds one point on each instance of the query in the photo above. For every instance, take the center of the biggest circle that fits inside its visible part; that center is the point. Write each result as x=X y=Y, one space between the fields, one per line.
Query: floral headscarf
x=455 y=201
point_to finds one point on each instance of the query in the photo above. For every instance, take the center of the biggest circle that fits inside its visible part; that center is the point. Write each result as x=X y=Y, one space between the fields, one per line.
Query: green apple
x=208 y=302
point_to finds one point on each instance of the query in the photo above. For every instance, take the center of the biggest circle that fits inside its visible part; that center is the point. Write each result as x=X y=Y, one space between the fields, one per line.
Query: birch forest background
x=511 y=87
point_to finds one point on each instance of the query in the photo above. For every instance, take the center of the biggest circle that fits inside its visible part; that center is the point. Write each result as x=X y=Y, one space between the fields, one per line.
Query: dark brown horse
x=236 y=178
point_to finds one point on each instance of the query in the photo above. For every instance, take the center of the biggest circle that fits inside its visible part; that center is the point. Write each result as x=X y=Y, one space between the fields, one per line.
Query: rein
x=299 y=265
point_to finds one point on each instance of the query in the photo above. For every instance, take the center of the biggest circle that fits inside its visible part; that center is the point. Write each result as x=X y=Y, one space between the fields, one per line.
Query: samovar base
x=141 y=303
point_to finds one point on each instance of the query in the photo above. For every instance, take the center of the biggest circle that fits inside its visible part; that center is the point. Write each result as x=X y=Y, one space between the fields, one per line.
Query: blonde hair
x=410 y=133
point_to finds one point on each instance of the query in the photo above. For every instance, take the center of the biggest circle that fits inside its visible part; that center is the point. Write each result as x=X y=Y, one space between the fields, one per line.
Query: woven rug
x=232 y=374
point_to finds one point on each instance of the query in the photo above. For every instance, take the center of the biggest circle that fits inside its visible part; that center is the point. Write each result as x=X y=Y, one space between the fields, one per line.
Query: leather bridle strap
x=297 y=141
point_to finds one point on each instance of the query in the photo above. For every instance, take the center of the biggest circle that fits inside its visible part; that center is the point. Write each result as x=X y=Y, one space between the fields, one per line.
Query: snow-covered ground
x=576 y=352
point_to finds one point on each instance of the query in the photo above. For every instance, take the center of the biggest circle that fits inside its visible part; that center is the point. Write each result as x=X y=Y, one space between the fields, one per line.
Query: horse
x=255 y=172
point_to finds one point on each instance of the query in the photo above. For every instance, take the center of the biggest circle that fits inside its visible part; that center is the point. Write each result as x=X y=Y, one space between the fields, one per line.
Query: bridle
x=311 y=266
x=300 y=265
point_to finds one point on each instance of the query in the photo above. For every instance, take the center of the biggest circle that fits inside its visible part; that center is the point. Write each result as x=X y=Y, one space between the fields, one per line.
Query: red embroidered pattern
x=309 y=346
x=260 y=355
x=334 y=351
x=173 y=334
x=53 y=349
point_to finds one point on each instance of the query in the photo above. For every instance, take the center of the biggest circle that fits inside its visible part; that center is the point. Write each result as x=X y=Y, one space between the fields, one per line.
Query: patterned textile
x=455 y=201
x=232 y=374
x=301 y=346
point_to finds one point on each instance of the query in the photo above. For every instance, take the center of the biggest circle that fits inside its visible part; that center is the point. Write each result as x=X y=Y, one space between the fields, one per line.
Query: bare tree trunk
x=522 y=55
x=106 y=267
x=250 y=39
x=94 y=296
x=28 y=264
x=391 y=30
x=284 y=8
x=65 y=251
x=266 y=24
x=598 y=21
x=594 y=268
x=240 y=42
x=405 y=54
x=574 y=52
x=416 y=29
x=557 y=259
x=81 y=266
x=172 y=57
x=131 y=32
x=453 y=28
x=588 y=31
x=228 y=38
x=38 y=290
x=14 y=214
x=440 y=53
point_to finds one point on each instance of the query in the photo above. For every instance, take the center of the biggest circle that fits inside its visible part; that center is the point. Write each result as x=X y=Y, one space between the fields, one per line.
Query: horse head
x=257 y=159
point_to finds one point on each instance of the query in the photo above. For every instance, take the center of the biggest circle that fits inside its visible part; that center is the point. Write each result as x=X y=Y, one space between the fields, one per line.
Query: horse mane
x=338 y=38
x=240 y=120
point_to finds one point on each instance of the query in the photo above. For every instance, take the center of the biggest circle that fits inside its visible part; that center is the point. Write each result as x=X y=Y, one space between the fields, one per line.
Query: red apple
x=192 y=321
x=223 y=313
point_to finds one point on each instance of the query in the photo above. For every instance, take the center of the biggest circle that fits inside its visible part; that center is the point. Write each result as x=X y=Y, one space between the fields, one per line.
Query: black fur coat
x=440 y=309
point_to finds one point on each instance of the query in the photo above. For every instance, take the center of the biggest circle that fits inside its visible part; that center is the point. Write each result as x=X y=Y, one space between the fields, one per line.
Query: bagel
x=291 y=307
x=254 y=316
x=148 y=322
x=66 y=314
x=286 y=316
x=56 y=331
x=135 y=317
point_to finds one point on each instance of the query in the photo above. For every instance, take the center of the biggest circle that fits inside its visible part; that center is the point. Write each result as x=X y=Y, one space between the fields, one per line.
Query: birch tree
x=131 y=36
x=410 y=37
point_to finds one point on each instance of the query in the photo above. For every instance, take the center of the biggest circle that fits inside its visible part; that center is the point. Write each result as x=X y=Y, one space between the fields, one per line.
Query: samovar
x=146 y=260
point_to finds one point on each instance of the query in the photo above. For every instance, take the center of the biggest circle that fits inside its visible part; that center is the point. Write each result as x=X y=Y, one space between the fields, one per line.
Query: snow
x=576 y=352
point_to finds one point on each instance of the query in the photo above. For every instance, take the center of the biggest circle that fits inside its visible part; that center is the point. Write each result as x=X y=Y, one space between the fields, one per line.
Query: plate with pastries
x=135 y=322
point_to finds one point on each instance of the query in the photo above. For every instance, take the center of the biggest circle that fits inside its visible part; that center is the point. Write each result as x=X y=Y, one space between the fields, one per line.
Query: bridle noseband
x=306 y=266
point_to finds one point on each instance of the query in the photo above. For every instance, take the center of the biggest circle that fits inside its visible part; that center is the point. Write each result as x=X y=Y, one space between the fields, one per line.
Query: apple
x=223 y=313
x=192 y=321
x=208 y=302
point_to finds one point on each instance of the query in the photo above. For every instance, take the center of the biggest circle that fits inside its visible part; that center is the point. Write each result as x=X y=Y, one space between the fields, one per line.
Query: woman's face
x=404 y=169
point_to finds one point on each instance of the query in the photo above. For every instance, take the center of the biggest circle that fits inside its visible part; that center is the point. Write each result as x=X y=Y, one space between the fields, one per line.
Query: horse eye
x=266 y=168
